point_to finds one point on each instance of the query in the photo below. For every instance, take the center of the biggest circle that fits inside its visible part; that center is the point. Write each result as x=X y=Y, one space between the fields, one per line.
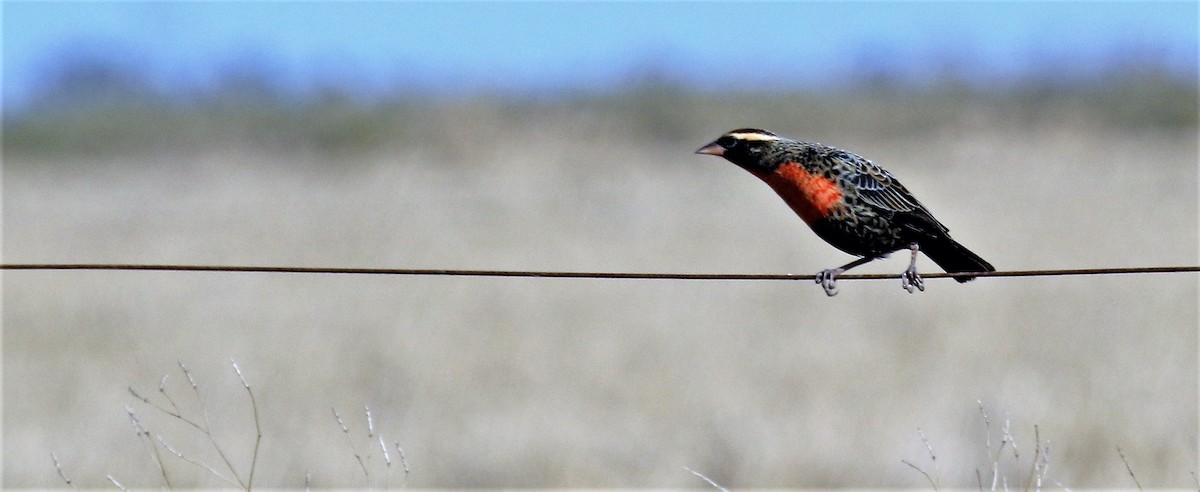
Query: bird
x=850 y=202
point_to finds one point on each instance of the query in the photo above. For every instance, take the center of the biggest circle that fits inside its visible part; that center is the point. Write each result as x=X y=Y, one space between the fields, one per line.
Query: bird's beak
x=712 y=149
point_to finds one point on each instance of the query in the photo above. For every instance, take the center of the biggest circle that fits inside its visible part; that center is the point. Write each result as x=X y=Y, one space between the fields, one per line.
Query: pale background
x=494 y=382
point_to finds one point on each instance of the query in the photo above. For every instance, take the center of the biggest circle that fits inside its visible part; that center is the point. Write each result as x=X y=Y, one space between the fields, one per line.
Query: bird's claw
x=828 y=280
x=911 y=280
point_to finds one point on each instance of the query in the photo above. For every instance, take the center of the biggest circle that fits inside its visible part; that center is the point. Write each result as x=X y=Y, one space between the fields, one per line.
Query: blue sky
x=532 y=46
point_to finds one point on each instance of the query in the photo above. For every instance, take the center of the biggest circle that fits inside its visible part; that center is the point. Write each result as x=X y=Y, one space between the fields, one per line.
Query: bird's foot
x=911 y=280
x=828 y=280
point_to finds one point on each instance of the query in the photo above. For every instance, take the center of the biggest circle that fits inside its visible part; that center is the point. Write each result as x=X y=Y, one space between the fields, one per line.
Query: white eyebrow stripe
x=754 y=137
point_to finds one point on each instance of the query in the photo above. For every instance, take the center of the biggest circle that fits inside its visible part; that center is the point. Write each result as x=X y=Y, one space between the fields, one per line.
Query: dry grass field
x=495 y=382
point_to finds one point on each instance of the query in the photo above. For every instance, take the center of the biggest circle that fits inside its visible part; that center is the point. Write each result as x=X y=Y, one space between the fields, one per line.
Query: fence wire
x=445 y=272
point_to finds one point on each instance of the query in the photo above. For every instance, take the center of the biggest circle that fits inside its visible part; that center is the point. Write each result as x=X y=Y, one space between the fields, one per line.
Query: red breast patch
x=811 y=196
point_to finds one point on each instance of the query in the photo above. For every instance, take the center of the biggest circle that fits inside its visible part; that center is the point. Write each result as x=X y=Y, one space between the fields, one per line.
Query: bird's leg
x=828 y=278
x=911 y=279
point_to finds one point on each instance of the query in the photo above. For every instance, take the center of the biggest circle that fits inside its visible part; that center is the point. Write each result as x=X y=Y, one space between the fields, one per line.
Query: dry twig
x=403 y=461
x=63 y=476
x=257 y=427
x=148 y=442
x=1129 y=468
x=923 y=472
x=358 y=456
x=180 y=455
x=116 y=483
x=1041 y=455
x=706 y=479
x=202 y=425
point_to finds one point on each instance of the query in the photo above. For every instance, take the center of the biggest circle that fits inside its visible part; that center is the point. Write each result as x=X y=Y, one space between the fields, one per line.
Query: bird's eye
x=727 y=141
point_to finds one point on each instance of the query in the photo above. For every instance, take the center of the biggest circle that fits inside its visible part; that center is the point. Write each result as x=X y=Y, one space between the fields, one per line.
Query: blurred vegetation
x=92 y=107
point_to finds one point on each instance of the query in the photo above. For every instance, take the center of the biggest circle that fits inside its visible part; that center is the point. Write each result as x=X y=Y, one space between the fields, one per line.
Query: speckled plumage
x=849 y=201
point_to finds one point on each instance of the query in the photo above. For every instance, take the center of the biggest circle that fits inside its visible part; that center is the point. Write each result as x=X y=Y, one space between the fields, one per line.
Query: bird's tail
x=955 y=258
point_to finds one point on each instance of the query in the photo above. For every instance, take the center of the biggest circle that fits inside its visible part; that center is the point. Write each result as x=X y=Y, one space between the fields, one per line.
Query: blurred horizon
x=379 y=51
x=364 y=77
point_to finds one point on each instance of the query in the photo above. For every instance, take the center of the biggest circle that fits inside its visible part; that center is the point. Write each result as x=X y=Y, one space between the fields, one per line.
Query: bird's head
x=746 y=147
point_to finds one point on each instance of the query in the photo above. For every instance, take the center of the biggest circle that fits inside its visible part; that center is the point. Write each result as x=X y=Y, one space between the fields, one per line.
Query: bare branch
x=58 y=468
x=706 y=479
x=987 y=425
x=1045 y=462
x=927 y=477
x=1037 y=457
x=341 y=424
x=238 y=370
x=388 y=460
x=204 y=426
x=1129 y=468
x=174 y=412
x=1008 y=437
x=994 y=456
x=370 y=422
x=116 y=483
x=137 y=424
x=136 y=395
x=152 y=450
x=188 y=373
x=162 y=389
x=207 y=427
x=353 y=448
x=403 y=460
x=180 y=455
x=932 y=458
x=257 y=427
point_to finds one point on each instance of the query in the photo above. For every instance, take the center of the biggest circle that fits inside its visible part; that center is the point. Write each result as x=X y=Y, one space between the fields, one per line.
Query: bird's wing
x=879 y=188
